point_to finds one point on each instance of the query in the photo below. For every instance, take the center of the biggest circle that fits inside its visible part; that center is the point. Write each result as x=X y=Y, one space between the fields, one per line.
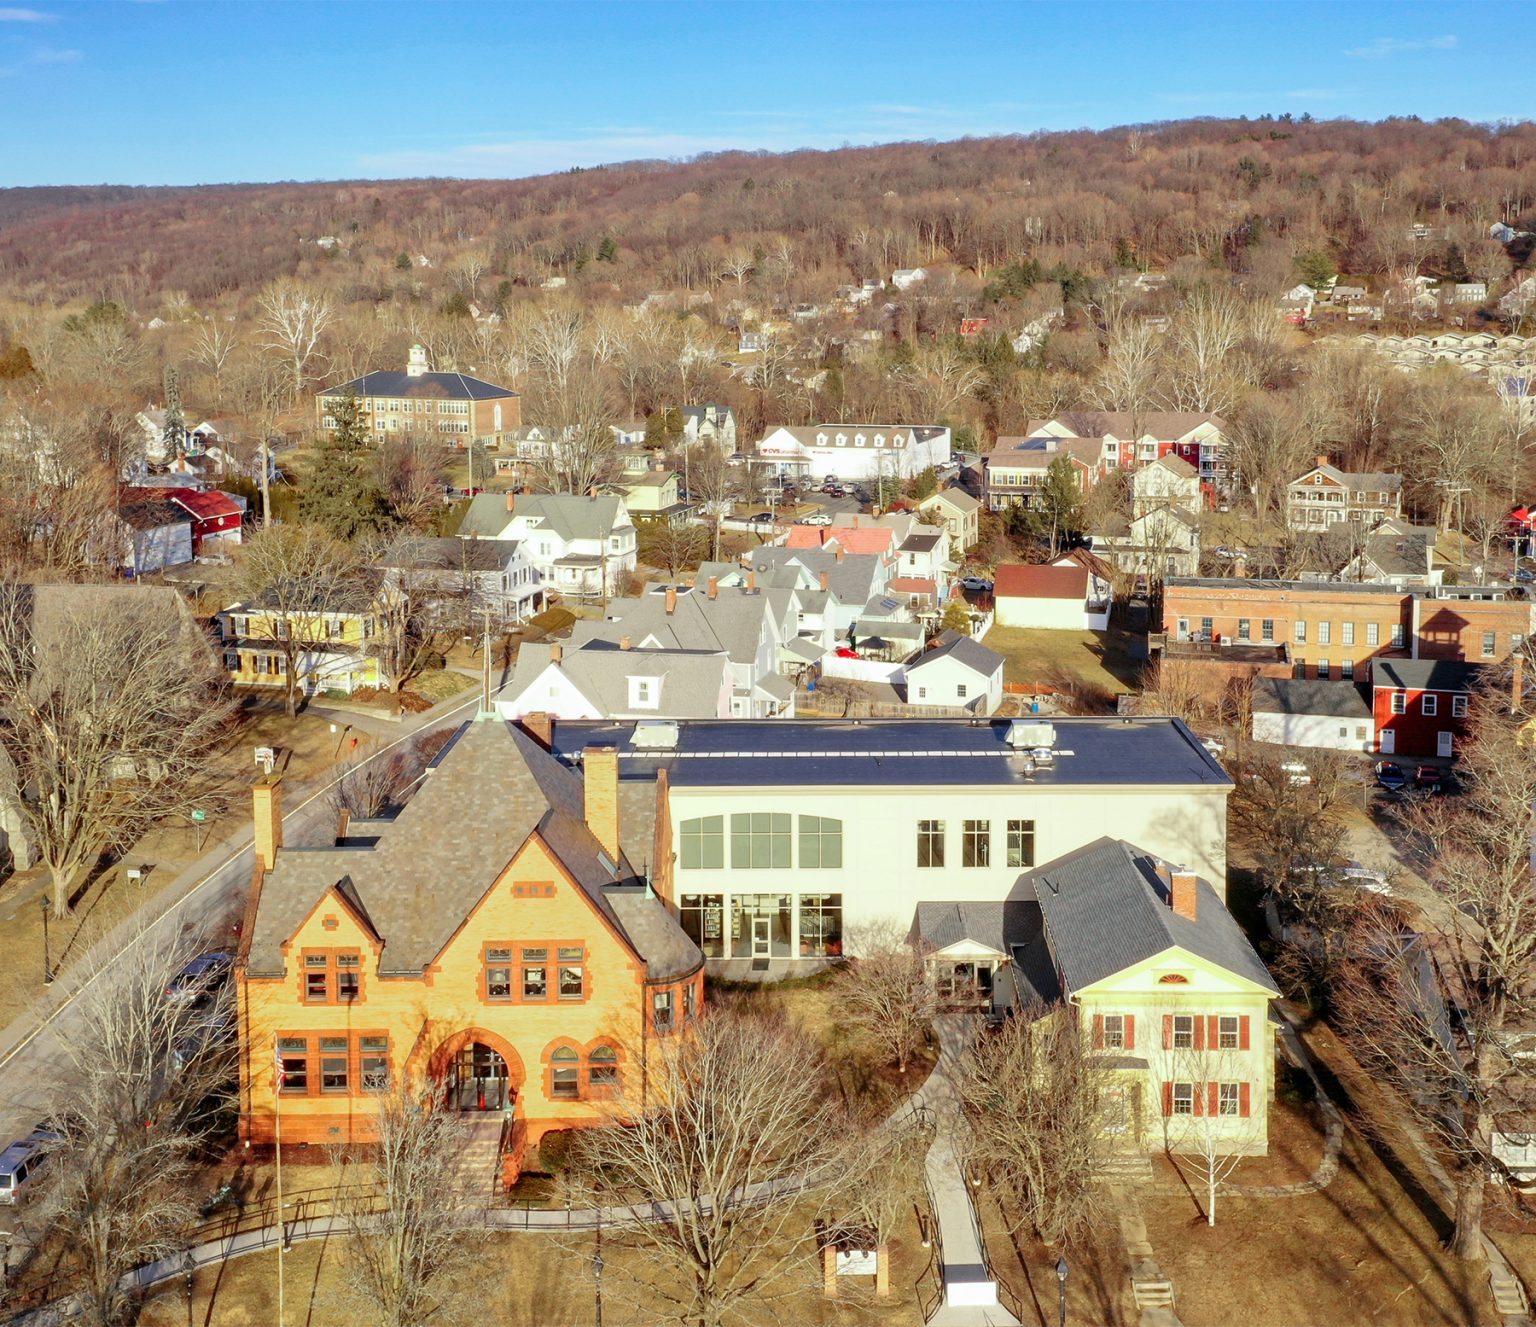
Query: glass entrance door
x=762 y=941
x=478 y=1080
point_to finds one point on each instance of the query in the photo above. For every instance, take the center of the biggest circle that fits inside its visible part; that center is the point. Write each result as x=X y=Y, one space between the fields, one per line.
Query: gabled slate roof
x=973 y=655
x=486 y=793
x=1106 y=909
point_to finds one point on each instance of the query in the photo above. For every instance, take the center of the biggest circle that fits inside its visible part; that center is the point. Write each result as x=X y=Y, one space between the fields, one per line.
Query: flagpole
x=277 y=1125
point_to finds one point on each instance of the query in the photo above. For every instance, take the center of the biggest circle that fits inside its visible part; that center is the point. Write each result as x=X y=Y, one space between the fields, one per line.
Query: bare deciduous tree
x=886 y=993
x=148 y=1078
x=1034 y=1101
x=1454 y=1075
x=730 y=1130
x=294 y=579
x=1223 y=1123
x=413 y=1240
x=110 y=712
x=293 y=318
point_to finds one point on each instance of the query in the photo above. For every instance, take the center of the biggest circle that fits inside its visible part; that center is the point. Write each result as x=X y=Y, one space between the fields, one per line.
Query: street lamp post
x=188 y=1267
x=597 y=1269
x=1061 y=1281
x=47 y=963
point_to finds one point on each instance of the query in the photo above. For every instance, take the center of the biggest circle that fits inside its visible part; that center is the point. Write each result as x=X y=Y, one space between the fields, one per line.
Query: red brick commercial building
x=1334 y=628
x=456 y=406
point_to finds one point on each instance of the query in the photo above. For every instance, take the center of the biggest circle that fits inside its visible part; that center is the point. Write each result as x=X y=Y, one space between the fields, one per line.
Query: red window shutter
x=1098 y=1032
x=1242 y=1099
x=1167 y=1098
x=1130 y=1032
x=1167 y=1032
x=1215 y=1091
x=1213 y=1031
x=1242 y=1038
x=1199 y=1033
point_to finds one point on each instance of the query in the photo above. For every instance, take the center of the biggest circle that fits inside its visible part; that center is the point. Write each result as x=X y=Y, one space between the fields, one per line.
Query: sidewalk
x=970 y=1292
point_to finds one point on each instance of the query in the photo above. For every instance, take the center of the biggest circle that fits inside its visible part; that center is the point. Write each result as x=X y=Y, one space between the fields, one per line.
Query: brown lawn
x=1101 y=659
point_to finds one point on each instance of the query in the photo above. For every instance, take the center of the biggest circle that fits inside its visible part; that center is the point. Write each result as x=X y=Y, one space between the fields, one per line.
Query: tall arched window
x=602 y=1070
x=565 y=1074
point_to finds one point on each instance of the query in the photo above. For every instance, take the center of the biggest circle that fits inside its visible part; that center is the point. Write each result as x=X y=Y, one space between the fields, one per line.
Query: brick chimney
x=855 y=521
x=1322 y=460
x=823 y=582
x=714 y=586
x=540 y=726
x=267 y=810
x=600 y=779
x=751 y=582
x=1181 y=891
x=840 y=554
x=511 y=503
x=624 y=642
x=671 y=600
x=556 y=651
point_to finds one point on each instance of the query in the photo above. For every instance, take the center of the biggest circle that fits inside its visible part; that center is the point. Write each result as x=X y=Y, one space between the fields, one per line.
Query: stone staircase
x=475 y=1173
x=1127 y=1168
x=1508 y=1295
x=1152 y=1292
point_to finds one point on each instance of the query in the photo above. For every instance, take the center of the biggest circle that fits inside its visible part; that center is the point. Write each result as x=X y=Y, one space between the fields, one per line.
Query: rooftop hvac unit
x=1031 y=735
x=655 y=735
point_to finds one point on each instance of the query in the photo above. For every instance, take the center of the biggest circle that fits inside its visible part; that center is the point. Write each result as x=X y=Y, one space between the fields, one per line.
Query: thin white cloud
x=48 y=55
x=25 y=16
x=1382 y=47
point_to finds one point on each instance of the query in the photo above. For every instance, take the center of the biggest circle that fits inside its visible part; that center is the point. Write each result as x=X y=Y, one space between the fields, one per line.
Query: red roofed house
x=216 y=517
x=850 y=538
x=1061 y=598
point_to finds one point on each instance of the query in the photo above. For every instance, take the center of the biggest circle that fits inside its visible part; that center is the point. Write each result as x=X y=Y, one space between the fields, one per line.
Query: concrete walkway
x=970 y=1292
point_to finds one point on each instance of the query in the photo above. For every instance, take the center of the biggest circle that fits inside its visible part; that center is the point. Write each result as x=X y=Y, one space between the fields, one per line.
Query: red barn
x=215 y=516
x=1421 y=705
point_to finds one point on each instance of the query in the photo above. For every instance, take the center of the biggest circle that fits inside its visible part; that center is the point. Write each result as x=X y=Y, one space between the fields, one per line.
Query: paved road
x=202 y=898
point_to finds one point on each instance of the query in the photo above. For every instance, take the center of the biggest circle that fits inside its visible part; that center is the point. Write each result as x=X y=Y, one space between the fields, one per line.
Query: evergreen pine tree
x=175 y=422
x=341 y=490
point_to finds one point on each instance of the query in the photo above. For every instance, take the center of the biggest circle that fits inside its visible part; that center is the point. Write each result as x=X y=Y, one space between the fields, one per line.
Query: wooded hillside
x=1139 y=196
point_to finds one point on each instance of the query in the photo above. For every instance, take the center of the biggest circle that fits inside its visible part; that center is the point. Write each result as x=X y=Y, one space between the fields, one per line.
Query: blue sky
x=187 y=93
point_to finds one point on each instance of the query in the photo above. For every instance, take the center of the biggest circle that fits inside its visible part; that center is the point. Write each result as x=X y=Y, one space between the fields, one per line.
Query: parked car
x=1525 y=575
x=977 y=584
x=820 y=518
x=844 y=652
x=1215 y=747
x=22 y=1164
x=829 y=479
x=737 y=458
x=1390 y=776
x=837 y=491
x=761 y=516
x=1430 y=779
x=199 y=978
x=1362 y=877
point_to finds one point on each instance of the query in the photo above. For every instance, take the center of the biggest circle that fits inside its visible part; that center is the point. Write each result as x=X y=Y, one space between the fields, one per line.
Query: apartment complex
x=419 y=401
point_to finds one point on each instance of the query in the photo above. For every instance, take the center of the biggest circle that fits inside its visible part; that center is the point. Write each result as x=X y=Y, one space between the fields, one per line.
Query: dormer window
x=644 y=693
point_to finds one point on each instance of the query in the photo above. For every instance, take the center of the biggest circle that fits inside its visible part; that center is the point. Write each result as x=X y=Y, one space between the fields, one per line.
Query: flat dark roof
x=771 y=753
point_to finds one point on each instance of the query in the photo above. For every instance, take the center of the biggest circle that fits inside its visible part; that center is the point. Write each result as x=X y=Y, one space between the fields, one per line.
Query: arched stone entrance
x=479 y=1071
